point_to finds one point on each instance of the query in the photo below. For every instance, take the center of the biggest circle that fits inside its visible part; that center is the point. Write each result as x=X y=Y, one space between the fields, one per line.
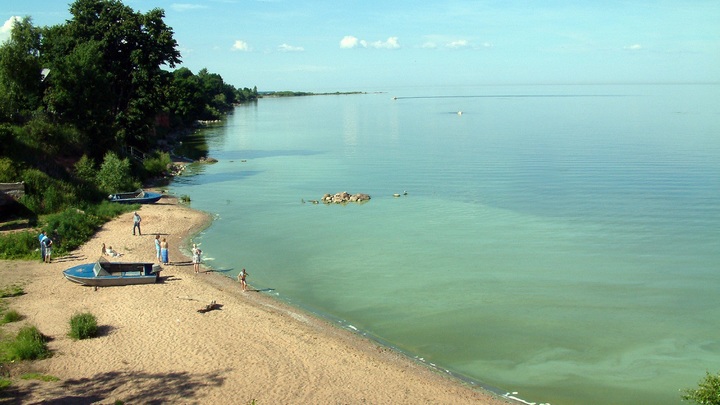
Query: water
x=558 y=241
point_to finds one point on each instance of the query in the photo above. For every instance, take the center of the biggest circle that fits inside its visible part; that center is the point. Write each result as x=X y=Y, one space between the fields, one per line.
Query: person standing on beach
x=241 y=278
x=164 y=251
x=157 y=248
x=42 y=236
x=48 y=249
x=196 y=252
x=136 y=223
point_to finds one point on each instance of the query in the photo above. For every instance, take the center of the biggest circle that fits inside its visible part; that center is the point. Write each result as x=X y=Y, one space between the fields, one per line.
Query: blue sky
x=348 y=45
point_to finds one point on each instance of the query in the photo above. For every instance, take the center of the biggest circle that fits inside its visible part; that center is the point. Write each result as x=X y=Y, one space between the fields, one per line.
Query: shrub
x=85 y=169
x=28 y=345
x=115 y=175
x=8 y=171
x=157 y=164
x=708 y=392
x=10 y=316
x=83 y=326
x=18 y=245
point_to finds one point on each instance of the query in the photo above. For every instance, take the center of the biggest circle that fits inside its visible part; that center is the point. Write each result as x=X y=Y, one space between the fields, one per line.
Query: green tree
x=115 y=175
x=20 y=72
x=132 y=48
x=707 y=393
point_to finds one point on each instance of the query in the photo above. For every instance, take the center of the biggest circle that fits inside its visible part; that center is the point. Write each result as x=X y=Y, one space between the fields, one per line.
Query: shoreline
x=255 y=347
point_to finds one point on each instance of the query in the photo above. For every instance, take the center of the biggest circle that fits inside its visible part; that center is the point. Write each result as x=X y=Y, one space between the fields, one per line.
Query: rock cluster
x=344 y=197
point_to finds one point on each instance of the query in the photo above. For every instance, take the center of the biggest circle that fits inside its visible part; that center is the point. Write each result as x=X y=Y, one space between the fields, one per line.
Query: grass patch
x=10 y=316
x=39 y=377
x=4 y=383
x=11 y=291
x=29 y=344
x=83 y=326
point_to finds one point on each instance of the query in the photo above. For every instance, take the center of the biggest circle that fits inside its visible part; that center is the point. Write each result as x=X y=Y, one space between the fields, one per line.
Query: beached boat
x=135 y=197
x=104 y=273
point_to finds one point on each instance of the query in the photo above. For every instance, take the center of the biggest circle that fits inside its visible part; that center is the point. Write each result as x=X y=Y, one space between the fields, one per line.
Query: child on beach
x=241 y=278
x=196 y=252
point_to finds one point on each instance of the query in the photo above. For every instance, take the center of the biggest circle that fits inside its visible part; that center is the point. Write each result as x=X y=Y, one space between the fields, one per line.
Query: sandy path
x=156 y=348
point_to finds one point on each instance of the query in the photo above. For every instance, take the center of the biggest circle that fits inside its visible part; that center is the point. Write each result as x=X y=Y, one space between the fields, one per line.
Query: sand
x=155 y=347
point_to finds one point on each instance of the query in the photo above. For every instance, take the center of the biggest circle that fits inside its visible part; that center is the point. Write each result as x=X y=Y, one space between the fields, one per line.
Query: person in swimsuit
x=241 y=278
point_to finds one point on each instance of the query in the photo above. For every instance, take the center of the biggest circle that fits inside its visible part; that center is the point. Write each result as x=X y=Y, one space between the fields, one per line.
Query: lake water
x=562 y=242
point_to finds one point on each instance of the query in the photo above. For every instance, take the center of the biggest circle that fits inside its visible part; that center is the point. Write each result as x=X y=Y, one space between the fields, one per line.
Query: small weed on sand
x=83 y=326
x=40 y=377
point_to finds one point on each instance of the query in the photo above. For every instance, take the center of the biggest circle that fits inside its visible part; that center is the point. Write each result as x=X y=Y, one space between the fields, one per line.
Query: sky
x=371 y=45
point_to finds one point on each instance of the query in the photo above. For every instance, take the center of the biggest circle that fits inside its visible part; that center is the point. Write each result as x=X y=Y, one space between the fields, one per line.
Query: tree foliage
x=707 y=393
x=97 y=83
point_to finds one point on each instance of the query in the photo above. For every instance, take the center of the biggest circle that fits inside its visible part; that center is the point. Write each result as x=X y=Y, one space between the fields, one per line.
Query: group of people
x=161 y=252
x=45 y=247
x=109 y=251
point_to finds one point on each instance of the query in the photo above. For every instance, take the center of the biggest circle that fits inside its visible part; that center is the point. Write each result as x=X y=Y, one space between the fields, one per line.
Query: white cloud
x=240 y=45
x=460 y=43
x=633 y=47
x=6 y=28
x=390 y=43
x=290 y=48
x=429 y=45
x=186 y=6
x=348 y=42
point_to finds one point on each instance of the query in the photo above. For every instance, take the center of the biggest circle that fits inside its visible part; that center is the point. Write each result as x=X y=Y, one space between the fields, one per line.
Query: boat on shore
x=104 y=273
x=139 y=196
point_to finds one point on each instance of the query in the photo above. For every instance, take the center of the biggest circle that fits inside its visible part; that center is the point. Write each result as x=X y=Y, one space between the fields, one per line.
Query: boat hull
x=137 y=197
x=113 y=274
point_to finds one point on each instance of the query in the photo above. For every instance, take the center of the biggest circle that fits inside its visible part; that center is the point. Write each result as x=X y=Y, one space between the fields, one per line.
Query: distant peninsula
x=304 y=93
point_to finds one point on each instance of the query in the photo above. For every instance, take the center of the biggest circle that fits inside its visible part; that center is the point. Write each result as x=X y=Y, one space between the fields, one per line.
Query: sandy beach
x=155 y=347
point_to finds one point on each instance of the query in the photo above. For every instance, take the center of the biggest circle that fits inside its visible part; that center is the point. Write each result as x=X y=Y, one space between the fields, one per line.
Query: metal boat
x=104 y=273
x=139 y=196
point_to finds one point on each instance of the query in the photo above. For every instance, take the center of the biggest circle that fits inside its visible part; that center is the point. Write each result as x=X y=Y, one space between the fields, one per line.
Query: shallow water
x=557 y=241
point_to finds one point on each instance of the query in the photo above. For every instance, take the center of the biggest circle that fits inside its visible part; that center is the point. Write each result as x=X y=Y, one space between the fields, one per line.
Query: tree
x=708 y=392
x=114 y=175
x=132 y=48
x=20 y=72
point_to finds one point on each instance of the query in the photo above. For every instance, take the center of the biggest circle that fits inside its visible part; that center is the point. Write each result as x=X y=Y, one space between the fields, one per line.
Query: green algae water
x=561 y=242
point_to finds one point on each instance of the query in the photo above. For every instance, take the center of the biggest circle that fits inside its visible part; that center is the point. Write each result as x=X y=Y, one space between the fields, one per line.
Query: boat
x=139 y=196
x=104 y=273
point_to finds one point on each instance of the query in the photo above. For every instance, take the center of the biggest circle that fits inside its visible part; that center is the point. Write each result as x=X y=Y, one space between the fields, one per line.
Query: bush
x=46 y=194
x=10 y=316
x=28 y=345
x=83 y=326
x=708 y=392
x=19 y=245
x=73 y=228
x=114 y=175
x=157 y=164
